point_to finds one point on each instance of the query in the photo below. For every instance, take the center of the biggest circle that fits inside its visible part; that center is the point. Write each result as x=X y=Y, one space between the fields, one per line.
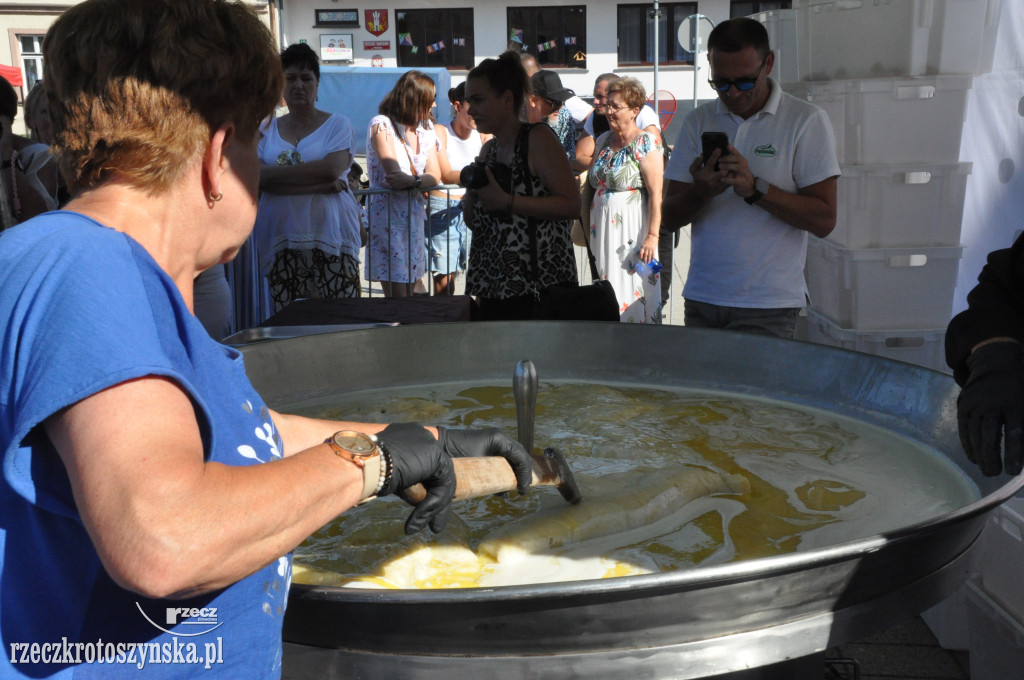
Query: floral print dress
x=618 y=226
x=396 y=249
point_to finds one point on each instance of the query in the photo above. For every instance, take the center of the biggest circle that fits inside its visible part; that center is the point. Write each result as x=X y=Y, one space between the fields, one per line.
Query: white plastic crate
x=997 y=638
x=844 y=39
x=948 y=621
x=922 y=347
x=900 y=206
x=782 y=36
x=893 y=120
x=1002 y=568
x=882 y=288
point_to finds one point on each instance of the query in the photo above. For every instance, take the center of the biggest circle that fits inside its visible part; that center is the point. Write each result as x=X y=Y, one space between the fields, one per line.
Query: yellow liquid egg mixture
x=670 y=479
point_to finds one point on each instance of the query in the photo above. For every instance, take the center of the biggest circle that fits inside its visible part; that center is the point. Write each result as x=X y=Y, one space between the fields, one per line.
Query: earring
x=214 y=198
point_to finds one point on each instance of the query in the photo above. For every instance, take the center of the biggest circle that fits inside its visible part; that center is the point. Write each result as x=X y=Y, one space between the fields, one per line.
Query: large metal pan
x=693 y=623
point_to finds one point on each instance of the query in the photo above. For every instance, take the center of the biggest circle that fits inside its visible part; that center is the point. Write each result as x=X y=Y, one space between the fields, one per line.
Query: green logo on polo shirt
x=765 y=151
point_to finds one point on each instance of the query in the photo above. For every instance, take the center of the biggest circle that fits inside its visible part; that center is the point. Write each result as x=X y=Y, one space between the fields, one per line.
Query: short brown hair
x=136 y=89
x=410 y=100
x=631 y=90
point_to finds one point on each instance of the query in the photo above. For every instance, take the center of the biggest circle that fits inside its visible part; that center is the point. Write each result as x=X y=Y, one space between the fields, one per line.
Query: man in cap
x=547 y=103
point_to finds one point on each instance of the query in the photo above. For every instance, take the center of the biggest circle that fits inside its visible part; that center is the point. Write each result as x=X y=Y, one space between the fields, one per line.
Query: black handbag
x=568 y=301
x=573 y=302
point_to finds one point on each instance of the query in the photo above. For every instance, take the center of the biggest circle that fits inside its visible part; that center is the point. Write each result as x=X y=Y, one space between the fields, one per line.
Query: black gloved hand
x=991 y=402
x=489 y=442
x=417 y=458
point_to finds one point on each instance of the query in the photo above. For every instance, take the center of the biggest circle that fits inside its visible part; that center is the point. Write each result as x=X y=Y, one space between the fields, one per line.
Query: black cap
x=547 y=85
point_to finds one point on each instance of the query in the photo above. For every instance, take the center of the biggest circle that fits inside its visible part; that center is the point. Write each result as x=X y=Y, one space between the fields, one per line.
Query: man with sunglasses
x=750 y=207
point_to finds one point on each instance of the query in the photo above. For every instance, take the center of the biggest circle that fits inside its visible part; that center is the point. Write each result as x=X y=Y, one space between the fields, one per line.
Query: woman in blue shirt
x=149 y=499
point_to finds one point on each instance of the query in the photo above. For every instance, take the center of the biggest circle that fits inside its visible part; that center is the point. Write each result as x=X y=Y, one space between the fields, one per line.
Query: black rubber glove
x=991 y=403
x=417 y=458
x=489 y=442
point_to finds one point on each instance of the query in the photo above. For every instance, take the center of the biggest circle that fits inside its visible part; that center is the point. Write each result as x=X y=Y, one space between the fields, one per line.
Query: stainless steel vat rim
x=685 y=579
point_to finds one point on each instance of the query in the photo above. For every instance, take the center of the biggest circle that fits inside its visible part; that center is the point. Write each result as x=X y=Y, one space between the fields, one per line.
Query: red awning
x=12 y=74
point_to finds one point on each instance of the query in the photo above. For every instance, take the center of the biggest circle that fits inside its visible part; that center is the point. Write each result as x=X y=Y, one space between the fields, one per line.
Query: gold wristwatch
x=361 y=450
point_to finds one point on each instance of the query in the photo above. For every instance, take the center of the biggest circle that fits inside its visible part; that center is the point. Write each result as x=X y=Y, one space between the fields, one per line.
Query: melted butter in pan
x=814 y=479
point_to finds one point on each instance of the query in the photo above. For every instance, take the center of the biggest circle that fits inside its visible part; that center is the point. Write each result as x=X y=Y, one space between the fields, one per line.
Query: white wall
x=490 y=26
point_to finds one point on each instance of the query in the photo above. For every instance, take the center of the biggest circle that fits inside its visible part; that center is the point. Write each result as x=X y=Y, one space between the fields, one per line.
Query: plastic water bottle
x=645 y=268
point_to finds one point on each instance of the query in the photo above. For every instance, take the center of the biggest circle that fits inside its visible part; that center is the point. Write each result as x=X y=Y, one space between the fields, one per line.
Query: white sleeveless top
x=462 y=152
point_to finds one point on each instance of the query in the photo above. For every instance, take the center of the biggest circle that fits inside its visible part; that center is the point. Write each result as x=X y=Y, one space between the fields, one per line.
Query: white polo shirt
x=740 y=255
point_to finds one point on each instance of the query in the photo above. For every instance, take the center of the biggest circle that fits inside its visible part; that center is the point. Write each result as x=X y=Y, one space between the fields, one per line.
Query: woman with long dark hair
x=521 y=210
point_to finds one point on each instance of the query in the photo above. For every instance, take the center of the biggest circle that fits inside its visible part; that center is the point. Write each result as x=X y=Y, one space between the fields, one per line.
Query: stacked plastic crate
x=893 y=77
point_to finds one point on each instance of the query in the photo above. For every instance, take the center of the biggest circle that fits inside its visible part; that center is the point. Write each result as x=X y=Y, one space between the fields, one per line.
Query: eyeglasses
x=554 y=103
x=742 y=84
x=613 y=109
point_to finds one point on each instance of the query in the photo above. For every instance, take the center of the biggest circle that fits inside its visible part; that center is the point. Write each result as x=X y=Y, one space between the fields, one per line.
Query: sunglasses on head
x=741 y=84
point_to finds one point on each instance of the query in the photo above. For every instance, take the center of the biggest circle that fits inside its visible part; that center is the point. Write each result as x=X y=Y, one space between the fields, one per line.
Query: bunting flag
x=415 y=49
x=430 y=49
x=459 y=42
x=545 y=46
x=517 y=36
x=405 y=39
x=570 y=40
x=439 y=45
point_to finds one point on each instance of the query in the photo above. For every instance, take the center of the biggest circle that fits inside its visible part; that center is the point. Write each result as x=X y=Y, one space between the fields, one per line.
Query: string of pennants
x=516 y=35
x=406 y=39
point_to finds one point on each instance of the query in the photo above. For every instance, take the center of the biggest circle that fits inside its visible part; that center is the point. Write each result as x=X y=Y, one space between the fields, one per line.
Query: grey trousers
x=780 y=322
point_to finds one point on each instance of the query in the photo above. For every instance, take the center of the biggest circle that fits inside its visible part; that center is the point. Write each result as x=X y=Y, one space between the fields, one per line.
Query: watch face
x=357 y=443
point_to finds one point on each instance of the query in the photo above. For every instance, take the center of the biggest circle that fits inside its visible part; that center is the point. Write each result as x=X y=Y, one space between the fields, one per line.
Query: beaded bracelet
x=385 y=469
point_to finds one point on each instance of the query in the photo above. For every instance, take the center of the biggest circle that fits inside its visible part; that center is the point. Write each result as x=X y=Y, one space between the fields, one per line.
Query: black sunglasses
x=742 y=84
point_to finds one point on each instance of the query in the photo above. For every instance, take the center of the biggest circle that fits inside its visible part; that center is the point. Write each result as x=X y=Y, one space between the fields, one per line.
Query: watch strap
x=371 y=478
x=757 y=195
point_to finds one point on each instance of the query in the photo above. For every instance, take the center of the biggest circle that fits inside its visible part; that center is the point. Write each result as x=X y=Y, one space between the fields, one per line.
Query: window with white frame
x=557 y=36
x=636 y=33
x=31 y=59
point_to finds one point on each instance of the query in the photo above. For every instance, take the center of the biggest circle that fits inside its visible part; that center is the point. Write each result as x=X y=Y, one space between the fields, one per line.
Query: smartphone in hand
x=709 y=141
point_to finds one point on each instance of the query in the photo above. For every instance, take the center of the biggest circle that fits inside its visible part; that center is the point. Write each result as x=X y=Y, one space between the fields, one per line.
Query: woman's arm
x=165 y=522
x=446 y=173
x=652 y=170
x=549 y=163
x=432 y=168
x=382 y=140
x=279 y=178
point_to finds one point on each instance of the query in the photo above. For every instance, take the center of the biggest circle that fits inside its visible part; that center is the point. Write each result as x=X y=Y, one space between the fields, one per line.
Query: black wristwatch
x=760 y=189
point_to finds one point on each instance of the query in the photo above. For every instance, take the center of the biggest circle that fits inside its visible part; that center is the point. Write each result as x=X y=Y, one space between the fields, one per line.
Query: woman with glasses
x=625 y=217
